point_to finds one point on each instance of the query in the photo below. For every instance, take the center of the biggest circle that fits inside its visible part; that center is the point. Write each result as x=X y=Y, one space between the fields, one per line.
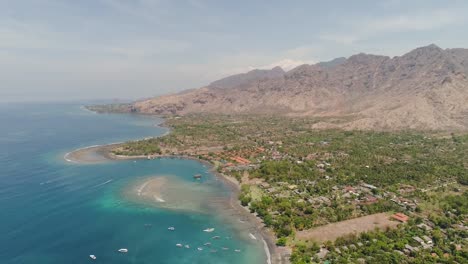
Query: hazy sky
x=82 y=49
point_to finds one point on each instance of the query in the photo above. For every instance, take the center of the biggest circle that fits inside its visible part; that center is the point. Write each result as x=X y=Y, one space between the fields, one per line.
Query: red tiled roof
x=400 y=217
x=241 y=160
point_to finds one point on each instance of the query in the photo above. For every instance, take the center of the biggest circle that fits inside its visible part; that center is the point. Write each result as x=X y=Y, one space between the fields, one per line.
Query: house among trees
x=368 y=186
x=369 y=199
x=349 y=189
x=419 y=240
x=427 y=239
x=424 y=226
x=400 y=217
x=322 y=253
x=240 y=160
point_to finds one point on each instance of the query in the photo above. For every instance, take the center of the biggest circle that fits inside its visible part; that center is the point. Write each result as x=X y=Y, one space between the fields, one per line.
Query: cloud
x=16 y=35
x=22 y=35
x=150 y=44
x=288 y=59
x=339 y=38
x=356 y=30
x=302 y=52
x=197 y=4
x=435 y=19
x=153 y=11
x=286 y=64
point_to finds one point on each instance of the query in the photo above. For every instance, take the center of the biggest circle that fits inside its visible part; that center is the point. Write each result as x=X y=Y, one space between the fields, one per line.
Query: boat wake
x=104 y=183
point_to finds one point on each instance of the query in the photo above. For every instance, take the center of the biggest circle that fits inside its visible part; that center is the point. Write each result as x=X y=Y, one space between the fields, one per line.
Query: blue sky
x=72 y=50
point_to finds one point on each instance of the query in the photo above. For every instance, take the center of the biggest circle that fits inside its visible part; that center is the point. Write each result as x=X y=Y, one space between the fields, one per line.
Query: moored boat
x=92 y=256
x=123 y=250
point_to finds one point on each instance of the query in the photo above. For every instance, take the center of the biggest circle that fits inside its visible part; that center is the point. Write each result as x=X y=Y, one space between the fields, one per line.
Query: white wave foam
x=267 y=251
x=142 y=187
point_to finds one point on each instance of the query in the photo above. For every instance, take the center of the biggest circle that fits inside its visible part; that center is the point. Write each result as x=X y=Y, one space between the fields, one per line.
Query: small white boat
x=237 y=250
x=209 y=230
x=123 y=250
x=171 y=228
x=252 y=236
x=92 y=256
x=200 y=249
x=224 y=248
x=207 y=244
x=187 y=246
x=216 y=237
x=178 y=245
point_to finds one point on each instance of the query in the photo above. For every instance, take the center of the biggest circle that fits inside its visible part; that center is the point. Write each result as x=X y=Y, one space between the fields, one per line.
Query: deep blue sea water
x=54 y=211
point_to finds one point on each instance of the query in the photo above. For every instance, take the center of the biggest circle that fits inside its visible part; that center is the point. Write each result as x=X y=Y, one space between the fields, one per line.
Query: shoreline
x=104 y=151
x=272 y=252
x=75 y=157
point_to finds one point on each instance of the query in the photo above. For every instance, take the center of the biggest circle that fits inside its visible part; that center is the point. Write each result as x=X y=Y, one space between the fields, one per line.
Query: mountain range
x=424 y=89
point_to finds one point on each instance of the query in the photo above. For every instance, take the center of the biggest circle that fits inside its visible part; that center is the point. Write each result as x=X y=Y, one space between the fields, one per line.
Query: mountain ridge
x=424 y=89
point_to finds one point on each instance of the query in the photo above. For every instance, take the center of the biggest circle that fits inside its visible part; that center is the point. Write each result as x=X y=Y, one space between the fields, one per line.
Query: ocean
x=55 y=211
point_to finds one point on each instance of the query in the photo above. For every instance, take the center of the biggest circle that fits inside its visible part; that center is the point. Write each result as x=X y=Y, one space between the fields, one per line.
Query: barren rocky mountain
x=427 y=88
x=245 y=78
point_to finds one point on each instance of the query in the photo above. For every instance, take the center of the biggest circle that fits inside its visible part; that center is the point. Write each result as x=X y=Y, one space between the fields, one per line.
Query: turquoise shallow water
x=53 y=211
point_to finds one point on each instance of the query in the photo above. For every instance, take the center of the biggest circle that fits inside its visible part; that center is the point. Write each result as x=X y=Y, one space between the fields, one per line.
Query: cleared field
x=352 y=226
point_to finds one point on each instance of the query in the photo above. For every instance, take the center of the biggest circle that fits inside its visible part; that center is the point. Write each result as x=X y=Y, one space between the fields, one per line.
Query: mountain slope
x=426 y=88
x=244 y=78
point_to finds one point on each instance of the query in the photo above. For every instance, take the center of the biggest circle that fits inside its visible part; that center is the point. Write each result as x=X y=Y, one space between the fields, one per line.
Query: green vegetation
x=441 y=240
x=296 y=178
x=111 y=108
x=139 y=148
